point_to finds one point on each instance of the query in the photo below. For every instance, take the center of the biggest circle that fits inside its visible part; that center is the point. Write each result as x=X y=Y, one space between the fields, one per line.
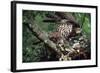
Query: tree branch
x=40 y=34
